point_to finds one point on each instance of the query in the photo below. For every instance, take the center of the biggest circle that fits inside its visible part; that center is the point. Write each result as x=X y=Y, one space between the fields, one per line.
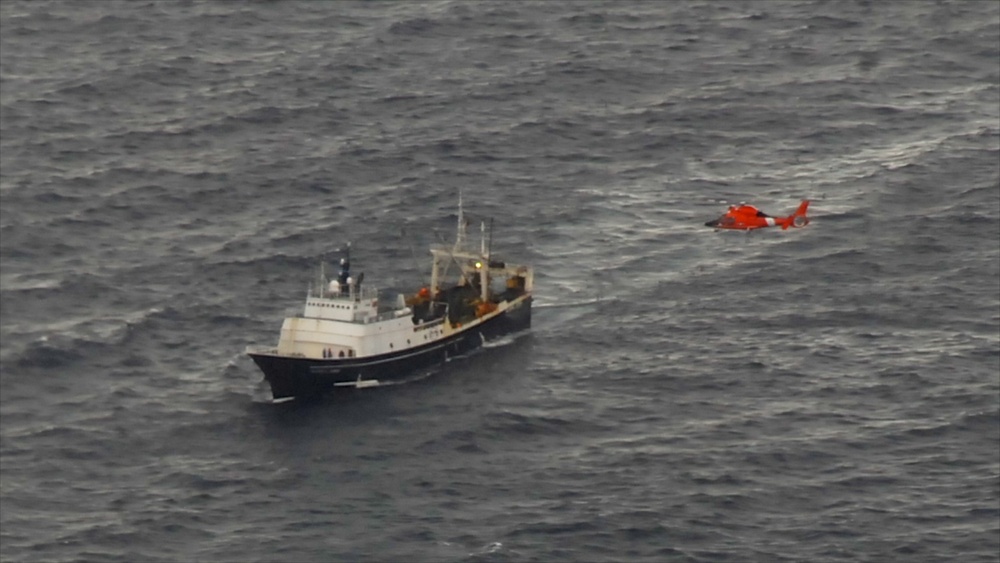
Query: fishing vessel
x=348 y=337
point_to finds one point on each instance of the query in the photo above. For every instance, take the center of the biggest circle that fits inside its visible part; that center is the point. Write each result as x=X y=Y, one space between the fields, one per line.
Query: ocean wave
x=83 y=286
x=65 y=343
x=414 y=27
x=509 y=422
x=49 y=354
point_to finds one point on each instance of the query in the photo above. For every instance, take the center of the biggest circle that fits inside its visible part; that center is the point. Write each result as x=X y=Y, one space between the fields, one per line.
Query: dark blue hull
x=303 y=378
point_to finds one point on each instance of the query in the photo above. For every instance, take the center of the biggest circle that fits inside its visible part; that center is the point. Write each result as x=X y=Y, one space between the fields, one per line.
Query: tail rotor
x=799 y=218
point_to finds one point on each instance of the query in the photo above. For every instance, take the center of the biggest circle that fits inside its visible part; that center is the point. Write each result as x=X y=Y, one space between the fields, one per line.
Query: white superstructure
x=349 y=324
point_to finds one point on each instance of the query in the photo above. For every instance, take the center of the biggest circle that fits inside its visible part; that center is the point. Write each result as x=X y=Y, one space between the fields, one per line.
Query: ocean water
x=171 y=172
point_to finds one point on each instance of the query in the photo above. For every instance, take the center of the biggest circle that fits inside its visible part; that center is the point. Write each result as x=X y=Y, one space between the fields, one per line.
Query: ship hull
x=306 y=378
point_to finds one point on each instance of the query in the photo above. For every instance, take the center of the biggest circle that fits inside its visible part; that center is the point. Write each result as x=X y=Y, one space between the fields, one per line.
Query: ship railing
x=383 y=316
x=354 y=293
x=430 y=324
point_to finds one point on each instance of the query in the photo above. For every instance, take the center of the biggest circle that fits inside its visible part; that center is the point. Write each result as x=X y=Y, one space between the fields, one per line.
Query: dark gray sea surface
x=172 y=173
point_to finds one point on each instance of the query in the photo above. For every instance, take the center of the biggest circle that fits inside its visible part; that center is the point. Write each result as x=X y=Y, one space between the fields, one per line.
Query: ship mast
x=483 y=263
x=460 y=236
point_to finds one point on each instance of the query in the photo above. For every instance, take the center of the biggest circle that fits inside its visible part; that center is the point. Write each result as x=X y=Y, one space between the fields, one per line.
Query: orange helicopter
x=745 y=217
